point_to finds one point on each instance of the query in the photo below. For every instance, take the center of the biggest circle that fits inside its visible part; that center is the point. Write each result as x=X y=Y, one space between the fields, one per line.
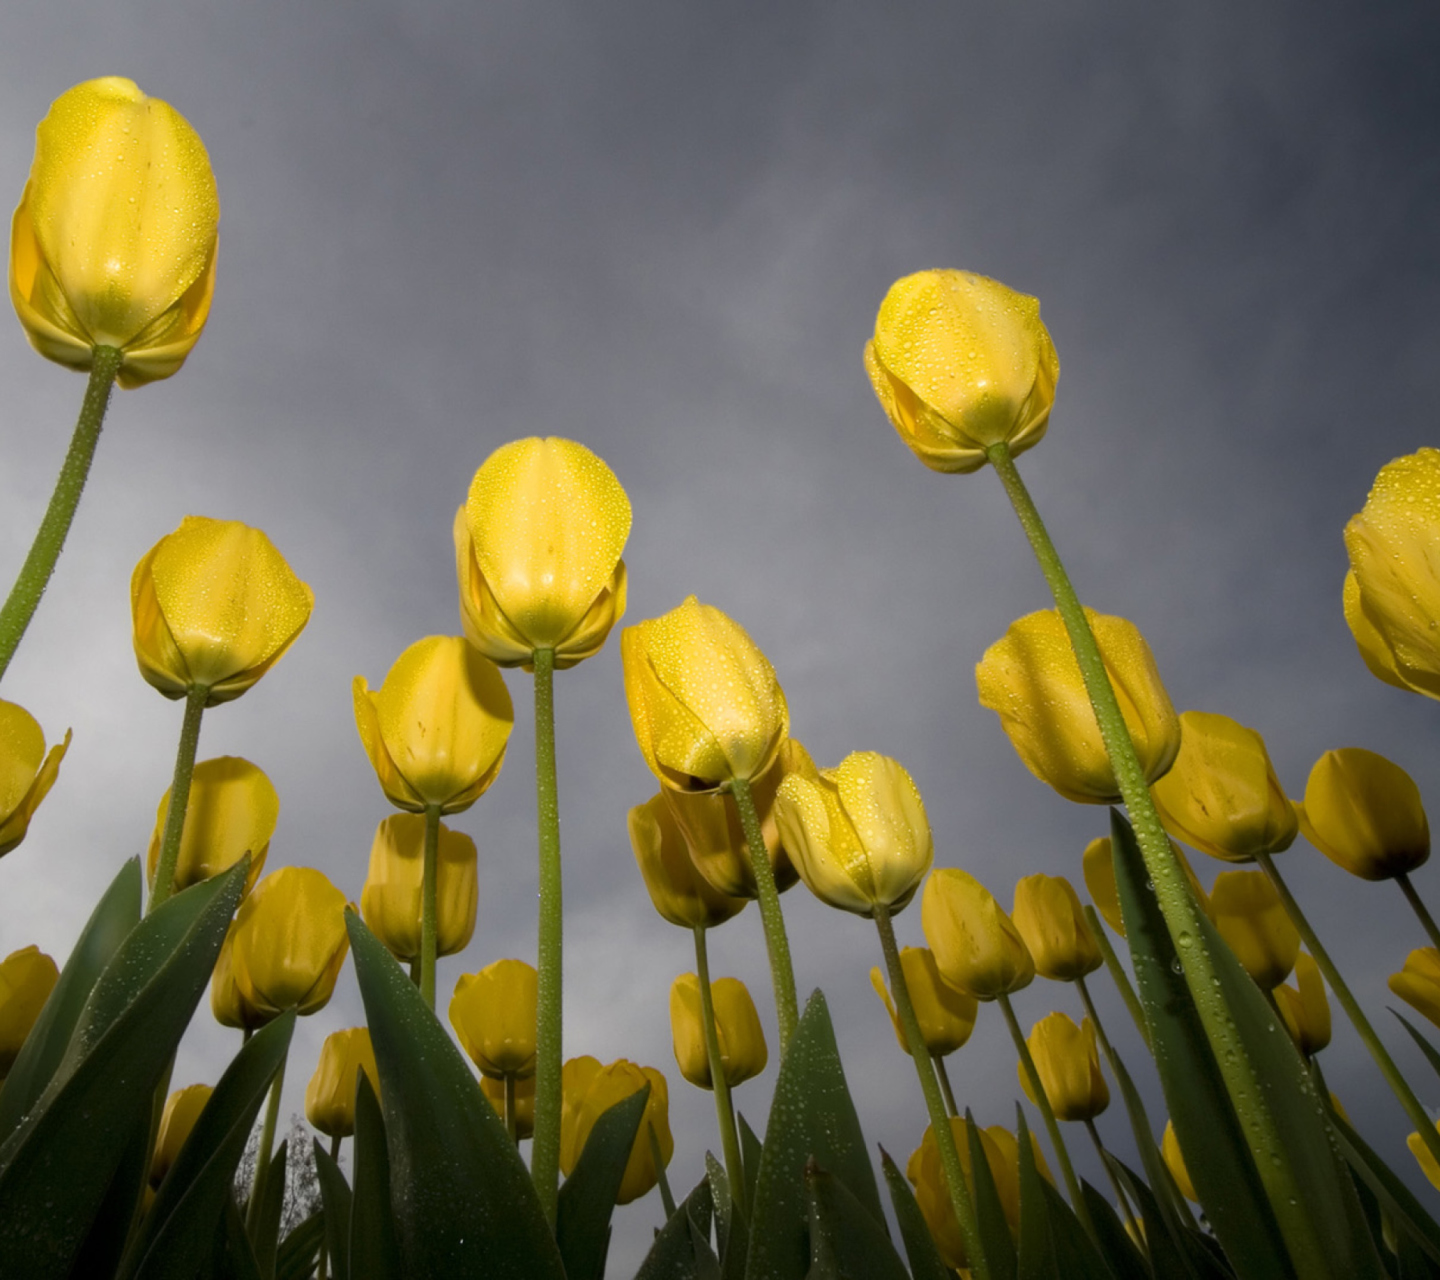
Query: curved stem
x=428 y=914
x=262 y=1154
x=782 y=972
x=1118 y=976
x=943 y=1076
x=1413 y=898
x=724 y=1112
x=667 y=1198
x=35 y=573
x=179 y=796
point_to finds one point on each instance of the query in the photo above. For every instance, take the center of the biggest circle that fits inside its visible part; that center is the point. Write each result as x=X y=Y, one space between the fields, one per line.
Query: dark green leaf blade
x=587 y=1198
x=265 y=1231
x=335 y=1196
x=1428 y=1049
x=1037 y=1258
x=1407 y=1213
x=1179 y=1252
x=995 y=1236
x=846 y=1243
x=1125 y=1259
x=373 y=1250
x=750 y=1153
x=299 y=1253
x=920 y=1250
x=680 y=1251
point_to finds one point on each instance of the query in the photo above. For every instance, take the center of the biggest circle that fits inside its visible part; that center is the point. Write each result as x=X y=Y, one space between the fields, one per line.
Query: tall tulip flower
x=1069 y=1066
x=232 y=811
x=1364 y=813
x=1048 y=915
x=182 y=1110
x=392 y=901
x=27 y=771
x=1250 y=916
x=977 y=946
x=494 y=1014
x=1304 y=1007
x=27 y=978
x=945 y=1013
x=679 y=892
x=737 y=1027
x=330 y=1095
x=1418 y=982
x=589 y=1091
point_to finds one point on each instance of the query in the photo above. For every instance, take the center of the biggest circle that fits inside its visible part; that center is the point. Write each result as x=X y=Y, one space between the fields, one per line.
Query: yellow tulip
x=1248 y=913
x=214 y=605
x=1175 y=1162
x=494 y=1091
x=959 y=363
x=1418 y=983
x=704 y=701
x=1365 y=814
x=230 y=1008
x=589 y=1090
x=114 y=240
x=680 y=893
x=1098 y=864
x=537 y=551
x=27 y=977
x=977 y=947
x=1394 y=546
x=857 y=834
x=737 y=1026
x=330 y=1095
x=27 y=772
x=946 y=1014
x=436 y=730
x=1373 y=649
x=392 y=899
x=1069 y=1068
x=1030 y=679
x=1048 y=915
x=232 y=811
x=1304 y=1007
x=1424 y=1159
x=182 y=1110
x=494 y=1012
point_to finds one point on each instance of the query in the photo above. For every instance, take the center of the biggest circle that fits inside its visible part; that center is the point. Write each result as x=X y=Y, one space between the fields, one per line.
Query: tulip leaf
x=299 y=1252
x=372 y=1249
x=335 y=1196
x=234 y=1259
x=587 y=1199
x=56 y=1166
x=681 y=1251
x=105 y=1242
x=117 y=912
x=730 y=1231
x=1175 y=1250
x=1405 y=1211
x=750 y=1153
x=265 y=1231
x=1053 y=1245
x=1119 y=1251
x=920 y=1250
x=846 y=1242
x=1432 y=1056
x=1415 y=1264
x=463 y=1201
x=994 y=1230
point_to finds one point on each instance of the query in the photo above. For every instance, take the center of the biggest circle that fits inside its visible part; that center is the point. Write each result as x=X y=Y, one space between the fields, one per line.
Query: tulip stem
x=777 y=944
x=1121 y=1198
x=545 y=1148
x=1118 y=976
x=427 y=910
x=195 y=698
x=944 y=1077
x=1426 y=1127
x=35 y=573
x=724 y=1112
x=667 y=1197
x=262 y=1154
x=950 y=1166
x=1413 y=897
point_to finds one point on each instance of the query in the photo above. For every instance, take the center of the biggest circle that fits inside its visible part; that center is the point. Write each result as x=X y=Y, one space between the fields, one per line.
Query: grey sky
x=664 y=230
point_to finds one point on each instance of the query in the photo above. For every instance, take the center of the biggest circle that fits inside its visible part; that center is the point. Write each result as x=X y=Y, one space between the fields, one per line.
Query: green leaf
x=335 y=1196
x=299 y=1253
x=989 y=1212
x=1125 y=1259
x=463 y=1200
x=846 y=1243
x=750 y=1153
x=920 y=1250
x=1406 y=1213
x=373 y=1251
x=1414 y=1263
x=1037 y=1258
x=811 y=1116
x=1431 y=1055
x=1178 y=1251
x=110 y=1228
x=265 y=1230
x=588 y=1197
x=680 y=1251
x=731 y=1234
x=1075 y=1253
x=234 y=1259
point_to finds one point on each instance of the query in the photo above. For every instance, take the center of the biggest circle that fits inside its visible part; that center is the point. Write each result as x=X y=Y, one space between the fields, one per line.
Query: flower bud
x=1424 y=1159
x=1364 y=814
x=1175 y=1162
x=494 y=1091
x=589 y=1090
x=232 y=811
x=214 y=605
x=1373 y=649
x=680 y=893
x=1304 y=1007
x=1418 y=983
x=114 y=240
x=26 y=772
x=737 y=1027
x=857 y=834
x=1048 y=915
x=946 y=1015
x=330 y=1095
x=959 y=363
x=977 y=947
x=182 y=1110
x=1099 y=870
x=1069 y=1068
x=392 y=902
x=1248 y=913
x=1031 y=680
x=436 y=730
x=27 y=977
x=494 y=1013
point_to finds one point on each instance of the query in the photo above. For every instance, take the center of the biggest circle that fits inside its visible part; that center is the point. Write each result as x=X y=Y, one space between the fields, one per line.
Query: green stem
x=944 y=1077
x=262 y=1155
x=1413 y=898
x=782 y=972
x=429 y=888
x=1118 y=976
x=321 y=1269
x=955 y=1184
x=35 y=573
x=545 y=1153
x=724 y=1112
x=1120 y=1197
x=658 y=1156
x=179 y=795
x=512 y=1120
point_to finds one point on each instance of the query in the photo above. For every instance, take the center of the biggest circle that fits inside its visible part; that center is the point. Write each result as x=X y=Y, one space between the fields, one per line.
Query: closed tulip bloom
x=1175 y=1162
x=1364 y=814
x=1373 y=649
x=214 y=605
x=229 y=1006
x=680 y=893
x=494 y=1091
x=977 y=946
x=1418 y=983
x=946 y=1015
x=704 y=701
x=857 y=834
x=1050 y=919
x=392 y=900
x=1394 y=547
x=1098 y=864
x=1069 y=1068
x=27 y=771
x=1305 y=1007
x=589 y=1090
x=232 y=811
x=494 y=1014
x=114 y=240
x=737 y=1026
x=959 y=363
x=182 y=1110
x=1031 y=680
x=1424 y=1159
x=330 y=1095
x=436 y=730
x=1248 y=913
x=27 y=977
x=537 y=549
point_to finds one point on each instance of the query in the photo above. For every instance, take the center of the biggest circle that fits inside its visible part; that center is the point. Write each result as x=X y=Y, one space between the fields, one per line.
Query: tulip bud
x=977 y=947
x=1305 y=1008
x=114 y=240
x=436 y=730
x=494 y=1012
x=392 y=901
x=737 y=1026
x=1048 y=915
x=1069 y=1068
x=1373 y=649
x=537 y=550
x=1394 y=547
x=232 y=811
x=1175 y=1162
x=959 y=363
x=680 y=893
x=1031 y=680
x=26 y=772
x=27 y=977
x=857 y=834
x=1418 y=983
x=214 y=605
x=1251 y=918
x=494 y=1091
x=330 y=1095
x=1424 y=1159
x=182 y=1110
x=1364 y=814
x=704 y=701
x=1222 y=797
x=589 y=1090
x=946 y=1015
x=1099 y=869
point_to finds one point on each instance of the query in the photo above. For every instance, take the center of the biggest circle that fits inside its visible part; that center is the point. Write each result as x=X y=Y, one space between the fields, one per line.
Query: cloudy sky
x=664 y=230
